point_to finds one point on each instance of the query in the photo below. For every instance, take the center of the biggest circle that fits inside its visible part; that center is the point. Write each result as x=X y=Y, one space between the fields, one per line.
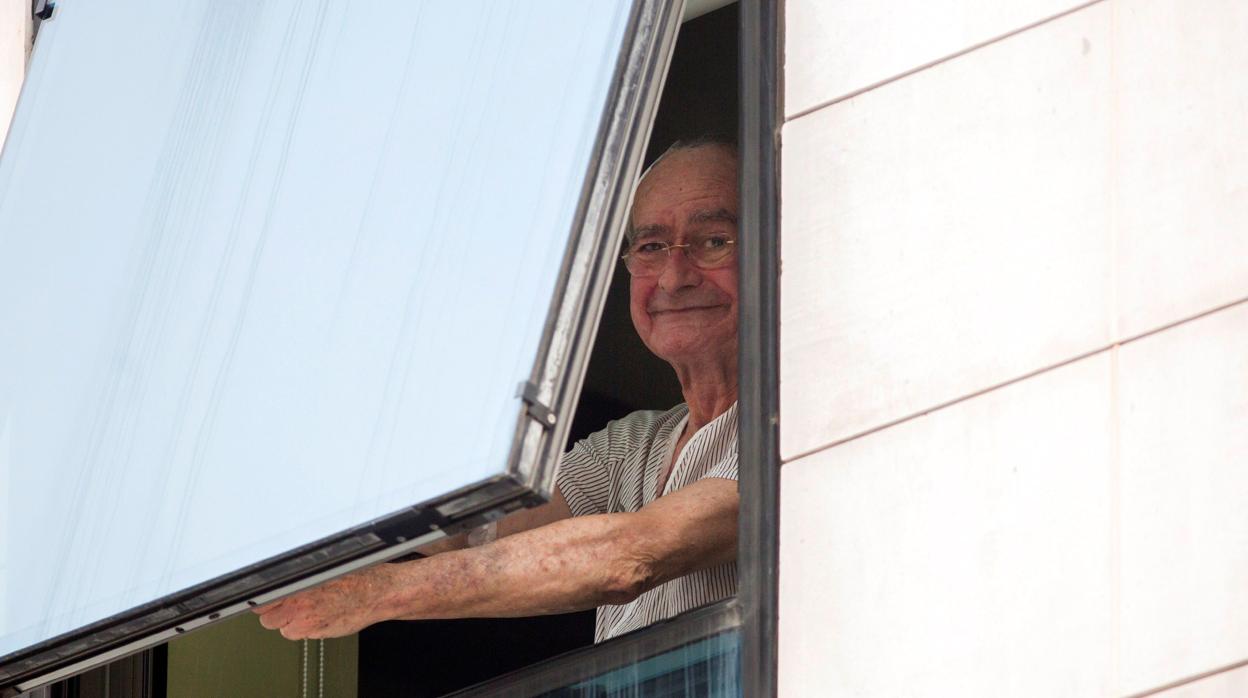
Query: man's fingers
x=292 y=632
x=270 y=621
x=306 y=627
x=333 y=609
x=275 y=615
x=292 y=617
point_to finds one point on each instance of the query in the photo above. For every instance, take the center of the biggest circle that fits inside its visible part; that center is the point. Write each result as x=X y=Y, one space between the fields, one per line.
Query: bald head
x=706 y=157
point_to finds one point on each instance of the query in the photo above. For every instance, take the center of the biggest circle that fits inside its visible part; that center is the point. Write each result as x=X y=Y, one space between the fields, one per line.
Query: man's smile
x=694 y=308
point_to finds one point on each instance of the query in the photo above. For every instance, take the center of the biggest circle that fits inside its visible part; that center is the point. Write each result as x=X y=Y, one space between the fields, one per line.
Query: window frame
x=761 y=89
x=754 y=611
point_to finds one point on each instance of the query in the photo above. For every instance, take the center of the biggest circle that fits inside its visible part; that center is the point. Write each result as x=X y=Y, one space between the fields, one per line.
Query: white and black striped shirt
x=617 y=469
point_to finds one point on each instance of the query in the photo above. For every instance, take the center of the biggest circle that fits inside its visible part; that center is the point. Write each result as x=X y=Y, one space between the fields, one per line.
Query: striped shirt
x=617 y=470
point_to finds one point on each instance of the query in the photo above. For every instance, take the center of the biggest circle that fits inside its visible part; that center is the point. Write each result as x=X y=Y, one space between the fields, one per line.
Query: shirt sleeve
x=591 y=473
x=584 y=478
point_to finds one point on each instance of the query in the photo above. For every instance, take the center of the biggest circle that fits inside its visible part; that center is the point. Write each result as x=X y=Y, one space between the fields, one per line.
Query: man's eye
x=649 y=248
x=715 y=242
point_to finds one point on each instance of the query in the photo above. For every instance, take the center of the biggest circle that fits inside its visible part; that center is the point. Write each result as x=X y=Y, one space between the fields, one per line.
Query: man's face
x=686 y=314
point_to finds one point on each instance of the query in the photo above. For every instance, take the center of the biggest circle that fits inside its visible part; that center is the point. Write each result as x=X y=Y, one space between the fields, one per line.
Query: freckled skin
x=545 y=561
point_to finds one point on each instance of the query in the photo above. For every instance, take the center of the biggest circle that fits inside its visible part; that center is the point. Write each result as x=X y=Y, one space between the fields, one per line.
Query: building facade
x=1014 y=348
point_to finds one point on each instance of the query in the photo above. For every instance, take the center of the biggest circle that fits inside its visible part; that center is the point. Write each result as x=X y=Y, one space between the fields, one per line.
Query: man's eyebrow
x=722 y=215
x=654 y=229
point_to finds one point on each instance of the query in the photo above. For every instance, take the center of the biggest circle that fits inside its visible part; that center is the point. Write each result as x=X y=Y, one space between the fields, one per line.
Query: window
x=430 y=658
x=244 y=282
x=693 y=649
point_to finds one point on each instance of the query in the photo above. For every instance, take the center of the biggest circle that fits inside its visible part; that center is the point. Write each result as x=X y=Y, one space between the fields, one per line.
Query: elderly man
x=643 y=522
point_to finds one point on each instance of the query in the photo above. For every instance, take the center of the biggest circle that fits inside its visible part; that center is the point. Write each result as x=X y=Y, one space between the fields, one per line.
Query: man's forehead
x=722 y=214
x=687 y=191
x=685 y=199
x=693 y=186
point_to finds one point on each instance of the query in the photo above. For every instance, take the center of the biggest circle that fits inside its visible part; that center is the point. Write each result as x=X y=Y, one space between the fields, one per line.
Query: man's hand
x=352 y=603
x=339 y=607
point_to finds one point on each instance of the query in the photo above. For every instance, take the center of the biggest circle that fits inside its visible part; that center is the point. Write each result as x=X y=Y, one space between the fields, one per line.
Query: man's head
x=683 y=313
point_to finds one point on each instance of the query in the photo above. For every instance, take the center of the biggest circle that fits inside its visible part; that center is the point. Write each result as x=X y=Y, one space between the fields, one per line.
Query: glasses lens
x=710 y=250
x=646 y=258
x=705 y=251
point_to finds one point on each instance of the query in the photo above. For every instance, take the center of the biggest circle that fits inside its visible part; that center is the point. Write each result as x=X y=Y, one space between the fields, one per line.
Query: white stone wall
x=14 y=49
x=1014 y=348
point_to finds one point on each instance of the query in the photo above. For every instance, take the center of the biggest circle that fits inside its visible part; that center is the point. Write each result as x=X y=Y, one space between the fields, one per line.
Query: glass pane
x=271 y=270
x=710 y=667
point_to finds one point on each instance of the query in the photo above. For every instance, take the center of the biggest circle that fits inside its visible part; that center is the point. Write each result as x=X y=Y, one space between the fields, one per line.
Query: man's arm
x=568 y=565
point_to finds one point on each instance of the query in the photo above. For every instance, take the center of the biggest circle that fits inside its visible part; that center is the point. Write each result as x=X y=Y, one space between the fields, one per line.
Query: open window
x=243 y=251
x=430 y=658
x=722 y=80
x=729 y=648
x=203 y=225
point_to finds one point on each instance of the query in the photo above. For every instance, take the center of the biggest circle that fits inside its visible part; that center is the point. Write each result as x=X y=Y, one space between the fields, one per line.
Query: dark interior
x=430 y=658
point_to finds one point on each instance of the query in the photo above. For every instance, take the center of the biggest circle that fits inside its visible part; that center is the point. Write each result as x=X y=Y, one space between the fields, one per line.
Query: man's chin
x=684 y=344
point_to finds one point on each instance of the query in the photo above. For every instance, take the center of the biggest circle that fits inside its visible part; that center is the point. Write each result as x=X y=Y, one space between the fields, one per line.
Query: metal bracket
x=404 y=528
x=43 y=9
x=527 y=391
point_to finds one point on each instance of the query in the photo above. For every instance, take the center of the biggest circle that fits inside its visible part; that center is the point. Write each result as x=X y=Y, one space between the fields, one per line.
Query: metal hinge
x=43 y=9
x=527 y=391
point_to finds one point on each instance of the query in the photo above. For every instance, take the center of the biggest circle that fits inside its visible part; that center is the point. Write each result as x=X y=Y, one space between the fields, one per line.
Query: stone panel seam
x=1112 y=346
x=1190 y=679
x=943 y=59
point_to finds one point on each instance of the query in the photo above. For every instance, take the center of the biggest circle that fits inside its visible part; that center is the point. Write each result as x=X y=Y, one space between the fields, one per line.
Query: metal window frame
x=761 y=91
x=588 y=662
x=550 y=394
x=754 y=612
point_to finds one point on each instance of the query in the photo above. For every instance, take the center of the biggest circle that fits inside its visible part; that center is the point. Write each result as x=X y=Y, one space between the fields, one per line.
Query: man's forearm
x=569 y=565
x=573 y=564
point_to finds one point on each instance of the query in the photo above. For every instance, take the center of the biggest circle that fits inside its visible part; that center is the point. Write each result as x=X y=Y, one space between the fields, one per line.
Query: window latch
x=527 y=391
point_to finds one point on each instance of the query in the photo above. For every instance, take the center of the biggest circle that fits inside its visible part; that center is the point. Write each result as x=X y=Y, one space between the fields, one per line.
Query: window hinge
x=527 y=391
x=43 y=9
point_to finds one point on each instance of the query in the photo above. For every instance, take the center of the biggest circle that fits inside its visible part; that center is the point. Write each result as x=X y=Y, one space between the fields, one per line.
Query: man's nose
x=679 y=272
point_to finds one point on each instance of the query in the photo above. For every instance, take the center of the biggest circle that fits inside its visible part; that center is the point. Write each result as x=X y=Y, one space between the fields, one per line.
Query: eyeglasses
x=709 y=251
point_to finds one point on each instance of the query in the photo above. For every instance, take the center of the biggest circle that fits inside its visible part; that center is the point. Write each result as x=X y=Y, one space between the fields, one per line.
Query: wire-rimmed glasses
x=709 y=251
